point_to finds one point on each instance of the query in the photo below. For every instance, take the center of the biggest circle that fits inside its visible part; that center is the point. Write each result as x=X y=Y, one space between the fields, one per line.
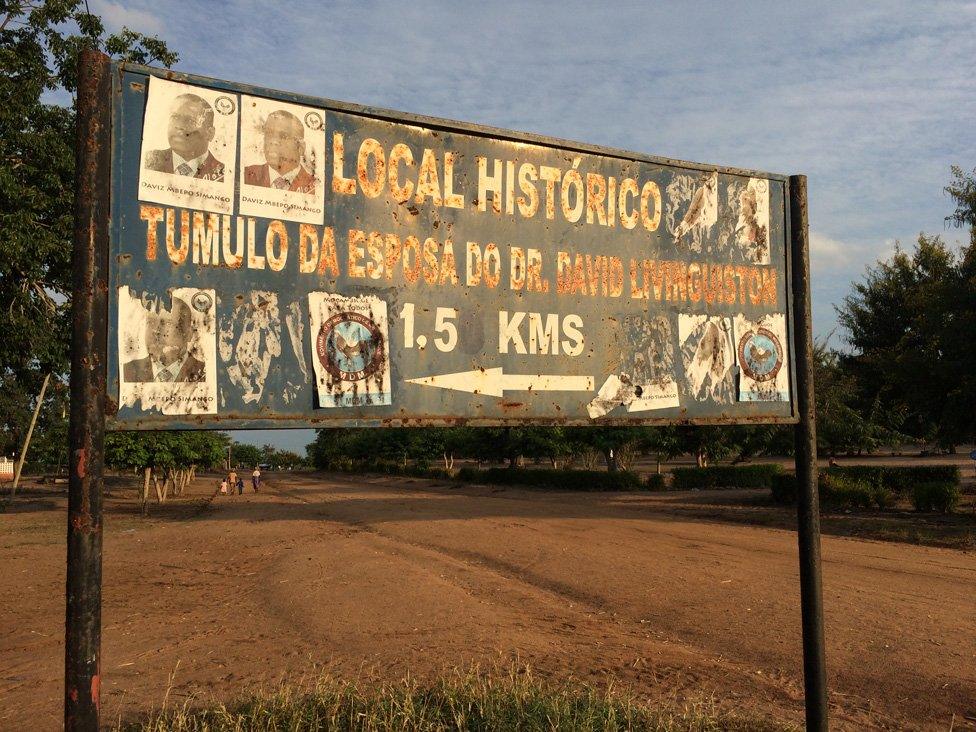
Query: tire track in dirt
x=857 y=686
x=470 y=559
x=583 y=618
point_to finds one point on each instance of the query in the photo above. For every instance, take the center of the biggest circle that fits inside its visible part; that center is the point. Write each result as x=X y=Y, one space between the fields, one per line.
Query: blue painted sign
x=279 y=260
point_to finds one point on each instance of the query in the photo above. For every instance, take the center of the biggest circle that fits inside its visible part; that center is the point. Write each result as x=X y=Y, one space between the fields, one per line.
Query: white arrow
x=493 y=382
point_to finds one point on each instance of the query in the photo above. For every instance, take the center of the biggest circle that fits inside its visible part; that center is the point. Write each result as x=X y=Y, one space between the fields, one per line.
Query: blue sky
x=872 y=101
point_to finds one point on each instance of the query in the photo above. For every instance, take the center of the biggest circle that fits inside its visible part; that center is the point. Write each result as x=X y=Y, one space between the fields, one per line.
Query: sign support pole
x=808 y=499
x=86 y=431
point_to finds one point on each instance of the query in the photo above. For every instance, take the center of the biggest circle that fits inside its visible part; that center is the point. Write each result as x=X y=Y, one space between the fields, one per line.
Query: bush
x=573 y=480
x=784 y=488
x=836 y=491
x=655 y=482
x=841 y=492
x=883 y=497
x=899 y=479
x=725 y=476
x=904 y=479
x=934 y=496
x=866 y=486
x=421 y=470
x=870 y=474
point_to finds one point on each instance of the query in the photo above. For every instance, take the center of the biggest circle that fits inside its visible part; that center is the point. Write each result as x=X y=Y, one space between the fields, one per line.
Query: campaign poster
x=761 y=352
x=189 y=147
x=350 y=350
x=167 y=351
x=282 y=160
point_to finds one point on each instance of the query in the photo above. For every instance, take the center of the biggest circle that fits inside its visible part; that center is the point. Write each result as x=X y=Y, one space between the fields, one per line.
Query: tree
x=242 y=455
x=165 y=459
x=844 y=423
x=288 y=460
x=39 y=42
x=610 y=442
x=962 y=190
x=912 y=326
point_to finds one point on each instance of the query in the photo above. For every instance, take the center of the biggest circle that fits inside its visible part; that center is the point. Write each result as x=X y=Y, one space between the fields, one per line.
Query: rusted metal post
x=808 y=500
x=86 y=430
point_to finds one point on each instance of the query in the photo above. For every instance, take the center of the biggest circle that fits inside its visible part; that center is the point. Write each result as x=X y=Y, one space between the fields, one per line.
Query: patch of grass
x=462 y=701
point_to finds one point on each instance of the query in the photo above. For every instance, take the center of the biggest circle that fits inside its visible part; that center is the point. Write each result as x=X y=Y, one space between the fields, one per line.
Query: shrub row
x=655 y=482
x=839 y=491
x=783 y=488
x=725 y=476
x=346 y=465
x=842 y=492
x=573 y=480
x=899 y=479
x=942 y=497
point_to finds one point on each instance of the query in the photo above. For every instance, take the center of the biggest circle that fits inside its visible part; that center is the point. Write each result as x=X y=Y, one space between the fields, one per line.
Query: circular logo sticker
x=313 y=120
x=201 y=302
x=225 y=105
x=760 y=355
x=350 y=346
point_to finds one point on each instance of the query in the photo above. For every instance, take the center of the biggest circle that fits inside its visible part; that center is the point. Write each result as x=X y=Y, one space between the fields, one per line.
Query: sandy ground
x=377 y=577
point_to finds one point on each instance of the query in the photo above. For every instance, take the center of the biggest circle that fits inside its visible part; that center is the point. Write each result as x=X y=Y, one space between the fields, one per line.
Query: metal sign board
x=249 y=258
x=278 y=260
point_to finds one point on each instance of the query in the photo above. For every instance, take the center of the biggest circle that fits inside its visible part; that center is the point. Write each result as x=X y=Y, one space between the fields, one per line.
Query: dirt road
x=378 y=577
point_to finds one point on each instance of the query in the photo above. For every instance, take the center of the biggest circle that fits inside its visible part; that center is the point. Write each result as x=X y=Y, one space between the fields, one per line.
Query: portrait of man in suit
x=189 y=132
x=284 y=152
x=168 y=334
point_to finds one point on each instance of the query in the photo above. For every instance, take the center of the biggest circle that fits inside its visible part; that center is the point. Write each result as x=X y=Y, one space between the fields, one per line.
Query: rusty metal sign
x=285 y=261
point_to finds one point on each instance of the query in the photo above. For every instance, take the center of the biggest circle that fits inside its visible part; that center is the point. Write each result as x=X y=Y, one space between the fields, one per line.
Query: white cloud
x=872 y=101
x=117 y=15
x=827 y=253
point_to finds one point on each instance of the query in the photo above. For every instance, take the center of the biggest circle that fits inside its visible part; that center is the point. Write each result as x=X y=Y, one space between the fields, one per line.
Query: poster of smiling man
x=167 y=351
x=350 y=350
x=189 y=147
x=282 y=160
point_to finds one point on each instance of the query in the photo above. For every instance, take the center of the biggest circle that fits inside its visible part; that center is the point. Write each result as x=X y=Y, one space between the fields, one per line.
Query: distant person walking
x=256 y=478
x=240 y=486
x=223 y=487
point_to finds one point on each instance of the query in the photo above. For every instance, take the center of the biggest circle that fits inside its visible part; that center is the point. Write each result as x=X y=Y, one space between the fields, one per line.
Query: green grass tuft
x=462 y=701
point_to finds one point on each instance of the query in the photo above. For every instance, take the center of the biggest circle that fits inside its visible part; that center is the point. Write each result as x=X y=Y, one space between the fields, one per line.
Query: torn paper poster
x=707 y=357
x=655 y=396
x=692 y=209
x=282 y=160
x=250 y=339
x=649 y=361
x=295 y=324
x=616 y=391
x=752 y=226
x=167 y=351
x=761 y=350
x=349 y=337
x=189 y=146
